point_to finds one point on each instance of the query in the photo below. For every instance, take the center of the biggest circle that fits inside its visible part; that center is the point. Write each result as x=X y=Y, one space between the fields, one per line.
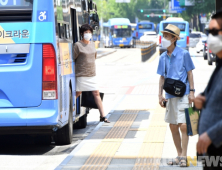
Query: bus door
x=75 y=32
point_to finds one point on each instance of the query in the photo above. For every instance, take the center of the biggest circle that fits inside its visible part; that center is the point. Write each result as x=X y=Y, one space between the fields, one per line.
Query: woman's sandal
x=104 y=119
x=176 y=161
x=183 y=162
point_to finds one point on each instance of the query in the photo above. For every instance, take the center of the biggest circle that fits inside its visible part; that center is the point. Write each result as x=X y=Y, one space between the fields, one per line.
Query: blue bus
x=142 y=27
x=37 y=68
x=118 y=33
x=184 y=32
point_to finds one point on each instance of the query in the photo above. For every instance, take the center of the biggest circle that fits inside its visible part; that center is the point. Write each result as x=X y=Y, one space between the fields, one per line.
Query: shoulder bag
x=87 y=99
x=174 y=87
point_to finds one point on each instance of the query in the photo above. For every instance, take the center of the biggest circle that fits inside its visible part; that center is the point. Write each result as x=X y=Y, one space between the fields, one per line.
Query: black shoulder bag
x=174 y=87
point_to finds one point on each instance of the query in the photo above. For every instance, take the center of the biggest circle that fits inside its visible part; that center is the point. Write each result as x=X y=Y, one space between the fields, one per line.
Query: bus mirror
x=83 y=5
x=96 y=28
x=97 y=16
x=90 y=5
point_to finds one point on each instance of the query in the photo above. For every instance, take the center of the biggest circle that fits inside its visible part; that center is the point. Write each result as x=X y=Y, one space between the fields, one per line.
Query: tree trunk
x=195 y=23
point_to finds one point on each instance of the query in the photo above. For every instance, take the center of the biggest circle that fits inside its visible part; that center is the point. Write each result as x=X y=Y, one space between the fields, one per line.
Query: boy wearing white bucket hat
x=176 y=64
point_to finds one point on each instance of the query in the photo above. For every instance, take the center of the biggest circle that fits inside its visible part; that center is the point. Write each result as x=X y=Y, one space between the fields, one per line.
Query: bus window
x=145 y=27
x=116 y=33
x=181 y=26
x=67 y=35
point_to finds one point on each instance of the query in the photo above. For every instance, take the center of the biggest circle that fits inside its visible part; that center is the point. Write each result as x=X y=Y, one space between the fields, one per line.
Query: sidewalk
x=136 y=139
x=101 y=52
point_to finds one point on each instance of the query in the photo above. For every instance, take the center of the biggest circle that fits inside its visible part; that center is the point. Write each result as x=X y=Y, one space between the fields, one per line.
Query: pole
x=218 y=5
x=101 y=33
x=165 y=4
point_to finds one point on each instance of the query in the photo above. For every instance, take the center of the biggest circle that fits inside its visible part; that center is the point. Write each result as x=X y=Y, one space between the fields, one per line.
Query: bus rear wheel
x=64 y=135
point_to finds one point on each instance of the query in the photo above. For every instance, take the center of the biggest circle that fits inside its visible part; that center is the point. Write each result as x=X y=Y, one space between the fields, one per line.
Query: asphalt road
x=115 y=72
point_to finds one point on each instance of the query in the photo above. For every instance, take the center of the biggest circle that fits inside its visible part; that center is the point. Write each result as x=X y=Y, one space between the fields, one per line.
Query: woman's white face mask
x=166 y=43
x=87 y=36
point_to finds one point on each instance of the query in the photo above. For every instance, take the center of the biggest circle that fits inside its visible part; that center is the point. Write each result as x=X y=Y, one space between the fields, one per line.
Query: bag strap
x=169 y=68
x=165 y=66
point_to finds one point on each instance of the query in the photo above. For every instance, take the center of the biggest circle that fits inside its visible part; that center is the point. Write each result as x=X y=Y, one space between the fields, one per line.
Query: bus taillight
x=159 y=39
x=49 y=73
x=137 y=34
x=188 y=40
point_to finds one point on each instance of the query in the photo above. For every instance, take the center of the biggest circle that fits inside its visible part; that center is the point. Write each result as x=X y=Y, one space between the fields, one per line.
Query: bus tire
x=64 y=135
x=82 y=122
x=205 y=56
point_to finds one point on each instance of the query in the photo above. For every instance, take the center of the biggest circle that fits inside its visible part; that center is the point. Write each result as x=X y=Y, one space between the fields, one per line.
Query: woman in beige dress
x=85 y=56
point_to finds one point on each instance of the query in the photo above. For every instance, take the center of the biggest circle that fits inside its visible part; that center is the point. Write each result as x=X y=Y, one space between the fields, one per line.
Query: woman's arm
x=76 y=51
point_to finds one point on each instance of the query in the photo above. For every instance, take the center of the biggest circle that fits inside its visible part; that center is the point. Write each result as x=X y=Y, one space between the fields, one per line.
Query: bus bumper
x=44 y=115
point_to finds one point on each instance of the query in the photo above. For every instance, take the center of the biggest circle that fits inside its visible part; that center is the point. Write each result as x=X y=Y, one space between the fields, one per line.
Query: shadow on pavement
x=22 y=145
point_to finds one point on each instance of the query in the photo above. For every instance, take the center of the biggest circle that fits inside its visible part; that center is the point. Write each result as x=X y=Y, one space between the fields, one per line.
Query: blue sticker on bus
x=42 y=16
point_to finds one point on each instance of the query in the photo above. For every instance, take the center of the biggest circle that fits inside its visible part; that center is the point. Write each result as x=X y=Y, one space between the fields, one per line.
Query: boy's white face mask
x=166 y=43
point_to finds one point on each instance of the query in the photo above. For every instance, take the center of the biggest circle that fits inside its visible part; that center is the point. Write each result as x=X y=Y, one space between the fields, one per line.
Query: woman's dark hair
x=85 y=27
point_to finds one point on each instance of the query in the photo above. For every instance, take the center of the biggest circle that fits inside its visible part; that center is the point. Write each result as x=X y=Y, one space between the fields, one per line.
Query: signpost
x=187 y=3
x=176 y=6
x=170 y=8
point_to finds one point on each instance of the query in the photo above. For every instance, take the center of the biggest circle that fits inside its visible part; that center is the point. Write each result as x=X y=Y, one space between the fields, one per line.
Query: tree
x=192 y=12
x=128 y=10
x=131 y=10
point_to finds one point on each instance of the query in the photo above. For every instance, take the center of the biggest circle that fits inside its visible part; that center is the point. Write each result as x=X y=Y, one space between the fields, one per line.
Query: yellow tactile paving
x=104 y=153
x=157 y=120
x=151 y=151
x=101 y=157
x=121 y=127
x=155 y=135
x=149 y=157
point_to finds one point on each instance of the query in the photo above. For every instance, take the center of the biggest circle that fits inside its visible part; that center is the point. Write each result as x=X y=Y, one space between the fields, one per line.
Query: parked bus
x=184 y=32
x=118 y=33
x=37 y=68
x=133 y=27
x=142 y=27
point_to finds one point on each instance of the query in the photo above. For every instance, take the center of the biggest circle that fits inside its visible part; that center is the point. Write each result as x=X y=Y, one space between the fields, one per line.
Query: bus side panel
x=65 y=80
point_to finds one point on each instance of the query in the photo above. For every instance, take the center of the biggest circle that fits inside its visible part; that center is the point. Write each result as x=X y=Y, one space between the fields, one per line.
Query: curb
x=105 y=54
x=79 y=145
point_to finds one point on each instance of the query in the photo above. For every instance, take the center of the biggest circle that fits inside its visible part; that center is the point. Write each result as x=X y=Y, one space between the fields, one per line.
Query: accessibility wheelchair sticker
x=42 y=16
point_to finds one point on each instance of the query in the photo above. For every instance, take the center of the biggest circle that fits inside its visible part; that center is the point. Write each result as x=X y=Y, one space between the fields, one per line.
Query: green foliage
x=138 y=8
